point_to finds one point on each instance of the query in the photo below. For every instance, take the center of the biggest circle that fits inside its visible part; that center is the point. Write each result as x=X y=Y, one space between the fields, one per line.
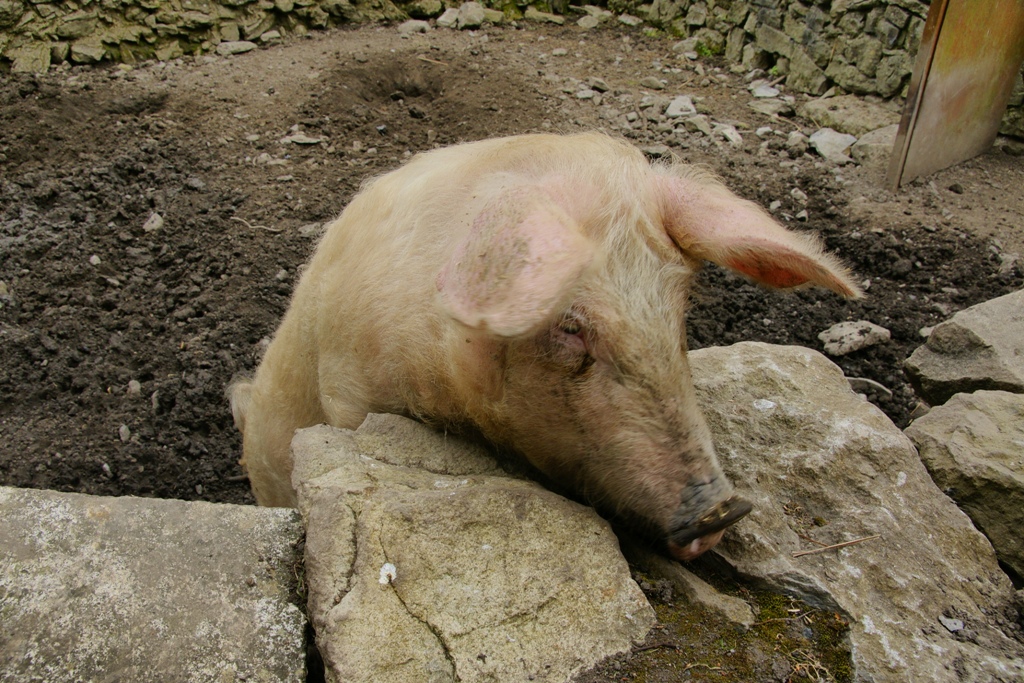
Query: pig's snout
x=693 y=534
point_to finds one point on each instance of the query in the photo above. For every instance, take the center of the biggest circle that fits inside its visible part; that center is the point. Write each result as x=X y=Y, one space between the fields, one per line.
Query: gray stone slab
x=981 y=347
x=420 y=573
x=820 y=463
x=849 y=114
x=973 y=446
x=136 y=589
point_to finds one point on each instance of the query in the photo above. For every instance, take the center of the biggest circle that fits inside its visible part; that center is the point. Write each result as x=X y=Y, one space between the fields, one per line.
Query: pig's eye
x=573 y=336
x=571 y=327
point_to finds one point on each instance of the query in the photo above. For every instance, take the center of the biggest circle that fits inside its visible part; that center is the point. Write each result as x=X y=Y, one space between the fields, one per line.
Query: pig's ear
x=709 y=222
x=517 y=265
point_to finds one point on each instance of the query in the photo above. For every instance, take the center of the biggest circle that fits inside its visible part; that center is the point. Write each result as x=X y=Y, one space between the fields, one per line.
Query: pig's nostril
x=716 y=519
x=724 y=514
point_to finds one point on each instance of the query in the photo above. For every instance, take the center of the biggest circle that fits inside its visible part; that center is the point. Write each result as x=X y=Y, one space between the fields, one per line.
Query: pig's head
x=574 y=292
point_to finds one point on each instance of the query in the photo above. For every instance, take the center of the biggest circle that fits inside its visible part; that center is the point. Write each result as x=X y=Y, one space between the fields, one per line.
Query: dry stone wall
x=34 y=33
x=866 y=47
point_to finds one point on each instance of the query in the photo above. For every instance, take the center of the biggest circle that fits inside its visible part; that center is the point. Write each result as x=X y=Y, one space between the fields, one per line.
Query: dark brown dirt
x=116 y=342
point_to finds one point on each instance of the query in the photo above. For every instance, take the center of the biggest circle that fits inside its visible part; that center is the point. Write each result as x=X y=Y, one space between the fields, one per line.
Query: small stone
x=32 y=58
x=301 y=139
x=124 y=433
x=134 y=387
x=598 y=84
x=847 y=337
x=95 y=260
x=796 y=144
x=412 y=26
x=952 y=625
x=87 y=53
x=588 y=22
x=471 y=15
x=772 y=107
x=875 y=147
x=533 y=14
x=956 y=188
x=763 y=90
x=153 y=223
x=235 y=47
x=729 y=132
x=699 y=123
x=832 y=145
x=652 y=83
x=681 y=106
x=600 y=13
x=195 y=183
x=656 y=151
x=270 y=36
x=449 y=18
x=586 y=94
x=799 y=195
x=493 y=16
x=630 y=20
x=684 y=46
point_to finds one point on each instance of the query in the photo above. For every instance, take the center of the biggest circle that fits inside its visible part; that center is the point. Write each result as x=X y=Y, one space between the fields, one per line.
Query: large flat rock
x=445 y=569
x=924 y=594
x=139 y=589
x=981 y=347
x=849 y=114
x=973 y=446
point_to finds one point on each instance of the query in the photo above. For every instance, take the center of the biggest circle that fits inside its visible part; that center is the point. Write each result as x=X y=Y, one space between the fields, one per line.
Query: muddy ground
x=118 y=336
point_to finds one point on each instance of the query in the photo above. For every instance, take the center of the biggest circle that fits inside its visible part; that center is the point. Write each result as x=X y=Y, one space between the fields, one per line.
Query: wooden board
x=970 y=54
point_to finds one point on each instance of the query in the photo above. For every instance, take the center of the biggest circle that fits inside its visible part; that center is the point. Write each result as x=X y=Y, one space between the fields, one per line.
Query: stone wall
x=34 y=33
x=865 y=47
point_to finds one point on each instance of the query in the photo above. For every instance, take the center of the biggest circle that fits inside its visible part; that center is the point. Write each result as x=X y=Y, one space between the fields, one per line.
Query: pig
x=532 y=290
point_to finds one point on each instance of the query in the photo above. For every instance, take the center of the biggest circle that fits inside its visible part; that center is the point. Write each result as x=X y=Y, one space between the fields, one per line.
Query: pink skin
x=695 y=548
x=581 y=402
x=532 y=289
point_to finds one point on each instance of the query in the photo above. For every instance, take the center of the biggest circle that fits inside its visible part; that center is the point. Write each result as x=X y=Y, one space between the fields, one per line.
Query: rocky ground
x=153 y=222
